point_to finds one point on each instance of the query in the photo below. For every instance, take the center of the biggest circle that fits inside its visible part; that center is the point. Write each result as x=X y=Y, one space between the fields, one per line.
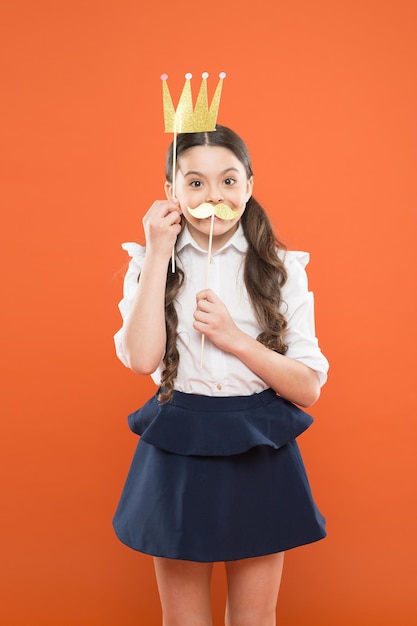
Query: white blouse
x=223 y=374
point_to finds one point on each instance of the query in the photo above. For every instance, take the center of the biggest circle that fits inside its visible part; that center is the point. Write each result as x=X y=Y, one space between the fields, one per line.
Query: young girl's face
x=211 y=174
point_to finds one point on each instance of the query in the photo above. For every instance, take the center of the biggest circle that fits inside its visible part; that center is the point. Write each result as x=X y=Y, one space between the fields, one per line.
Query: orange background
x=325 y=94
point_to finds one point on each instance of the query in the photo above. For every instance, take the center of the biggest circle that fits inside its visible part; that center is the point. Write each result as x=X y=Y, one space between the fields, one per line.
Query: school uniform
x=217 y=474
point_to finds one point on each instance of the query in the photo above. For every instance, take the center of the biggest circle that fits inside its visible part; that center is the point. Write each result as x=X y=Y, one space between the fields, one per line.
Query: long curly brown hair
x=264 y=272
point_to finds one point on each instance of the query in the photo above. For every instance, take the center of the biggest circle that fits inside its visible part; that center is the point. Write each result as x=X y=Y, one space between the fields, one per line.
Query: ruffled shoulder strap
x=135 y=250
x=294 y=256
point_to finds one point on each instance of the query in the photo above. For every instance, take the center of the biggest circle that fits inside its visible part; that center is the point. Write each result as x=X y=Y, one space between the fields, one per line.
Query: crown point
x=164 y=76
x=222 y=75
x=204 y=75
x=188 y=76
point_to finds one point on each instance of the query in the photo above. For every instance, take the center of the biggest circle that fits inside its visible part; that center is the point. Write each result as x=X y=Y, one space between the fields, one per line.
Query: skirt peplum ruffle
x=218 y=479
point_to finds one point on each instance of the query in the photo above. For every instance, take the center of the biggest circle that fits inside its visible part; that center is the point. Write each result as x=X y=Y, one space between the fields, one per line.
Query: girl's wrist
x=242 y=344
x=157 y=258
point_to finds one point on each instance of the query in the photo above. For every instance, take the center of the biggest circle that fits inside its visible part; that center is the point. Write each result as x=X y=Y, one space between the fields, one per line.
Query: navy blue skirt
x=218 y=479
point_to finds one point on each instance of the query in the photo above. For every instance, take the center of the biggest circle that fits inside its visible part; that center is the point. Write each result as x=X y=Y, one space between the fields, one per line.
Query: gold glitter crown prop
x=186 y=118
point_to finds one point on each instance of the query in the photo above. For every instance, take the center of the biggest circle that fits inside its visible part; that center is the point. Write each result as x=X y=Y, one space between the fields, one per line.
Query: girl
x=217 y=475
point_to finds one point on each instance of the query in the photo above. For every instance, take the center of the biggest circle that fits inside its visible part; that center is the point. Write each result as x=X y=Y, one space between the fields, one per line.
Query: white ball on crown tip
x=188 y=76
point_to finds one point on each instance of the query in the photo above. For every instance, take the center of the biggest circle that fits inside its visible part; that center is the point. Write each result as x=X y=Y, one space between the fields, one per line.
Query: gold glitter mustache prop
x=221 y=210
x=188 y=119
x=224 y=212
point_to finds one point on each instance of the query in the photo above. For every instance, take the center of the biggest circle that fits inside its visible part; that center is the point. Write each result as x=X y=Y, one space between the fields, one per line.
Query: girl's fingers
x=162 y=208
x=172 y=207
x=173 y=217
x=162 y=225
x=204 y=305
x=206 y=294
x=161 y=214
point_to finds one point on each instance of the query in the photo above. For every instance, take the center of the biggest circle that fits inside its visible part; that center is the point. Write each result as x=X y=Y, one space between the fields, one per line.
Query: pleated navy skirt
x=218 y=479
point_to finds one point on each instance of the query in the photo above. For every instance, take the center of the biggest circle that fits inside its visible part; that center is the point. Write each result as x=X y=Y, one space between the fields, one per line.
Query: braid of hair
x=171 y=357
x=264 y=275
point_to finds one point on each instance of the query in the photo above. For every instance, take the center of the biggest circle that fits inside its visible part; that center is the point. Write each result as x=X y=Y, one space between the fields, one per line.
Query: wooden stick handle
x=174 y=163
x=207 y=277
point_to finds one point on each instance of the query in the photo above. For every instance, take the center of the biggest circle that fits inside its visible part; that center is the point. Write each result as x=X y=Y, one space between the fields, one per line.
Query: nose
x=214 y=195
